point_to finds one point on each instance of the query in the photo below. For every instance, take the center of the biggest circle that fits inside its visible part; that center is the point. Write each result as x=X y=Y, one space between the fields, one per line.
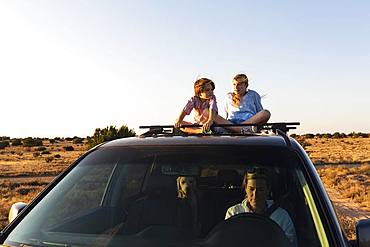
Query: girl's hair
x=239 y=78
x=200 y=83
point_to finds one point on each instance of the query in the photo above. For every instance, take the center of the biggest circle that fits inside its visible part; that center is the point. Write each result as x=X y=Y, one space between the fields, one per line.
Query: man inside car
x=257 y=190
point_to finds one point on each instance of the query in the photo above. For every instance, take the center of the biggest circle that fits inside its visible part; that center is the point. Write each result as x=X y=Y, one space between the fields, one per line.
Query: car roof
x=251 y=140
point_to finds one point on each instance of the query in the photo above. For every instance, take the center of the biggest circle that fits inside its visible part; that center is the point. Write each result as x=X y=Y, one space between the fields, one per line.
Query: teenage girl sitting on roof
x=204 y=104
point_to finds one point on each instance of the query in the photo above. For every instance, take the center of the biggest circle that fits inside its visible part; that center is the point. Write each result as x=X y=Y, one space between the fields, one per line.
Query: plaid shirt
x=199 y=107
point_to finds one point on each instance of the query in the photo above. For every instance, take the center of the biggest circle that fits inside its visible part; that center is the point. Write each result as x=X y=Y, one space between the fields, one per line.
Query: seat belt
x=271 y=209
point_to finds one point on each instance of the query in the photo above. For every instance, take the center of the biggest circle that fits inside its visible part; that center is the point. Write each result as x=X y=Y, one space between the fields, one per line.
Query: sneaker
x=257 y=128
x=207 y=132
x=247 y=130
x=220 y=130
x=251 y=129
x=178 y=132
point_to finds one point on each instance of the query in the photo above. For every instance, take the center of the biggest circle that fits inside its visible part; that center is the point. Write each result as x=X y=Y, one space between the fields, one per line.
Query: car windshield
x=178 y=196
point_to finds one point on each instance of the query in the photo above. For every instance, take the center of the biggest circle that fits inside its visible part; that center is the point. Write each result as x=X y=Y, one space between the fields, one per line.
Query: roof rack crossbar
x=280 y=124
x=161 y=129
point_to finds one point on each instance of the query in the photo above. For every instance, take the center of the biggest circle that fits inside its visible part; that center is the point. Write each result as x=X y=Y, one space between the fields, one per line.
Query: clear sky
x=68 y=67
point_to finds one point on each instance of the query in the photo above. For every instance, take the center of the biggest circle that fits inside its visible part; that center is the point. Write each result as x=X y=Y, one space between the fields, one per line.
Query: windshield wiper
x=46 y=243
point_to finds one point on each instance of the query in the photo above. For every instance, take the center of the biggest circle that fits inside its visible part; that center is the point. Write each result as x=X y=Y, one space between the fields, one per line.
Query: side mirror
x=363 y=233
x=15 y=210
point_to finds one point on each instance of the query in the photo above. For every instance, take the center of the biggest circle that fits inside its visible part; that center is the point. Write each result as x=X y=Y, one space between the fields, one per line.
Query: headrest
x=228 y=177
x=160 y=182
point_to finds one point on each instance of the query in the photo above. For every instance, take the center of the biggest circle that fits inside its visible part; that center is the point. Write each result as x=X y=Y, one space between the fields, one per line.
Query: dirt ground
x=25 y=171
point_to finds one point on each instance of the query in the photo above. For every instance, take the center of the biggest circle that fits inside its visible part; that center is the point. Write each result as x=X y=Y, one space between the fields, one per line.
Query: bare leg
x=195 y=130
x=189 y=130
x=220 y=120
x=260 y=118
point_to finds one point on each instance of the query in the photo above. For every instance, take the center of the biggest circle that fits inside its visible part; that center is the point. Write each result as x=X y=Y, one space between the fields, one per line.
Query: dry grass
x=19 y=161
x=338 y=151
x=353 y=182
x=348 y=188
x=27 y=161
x=15 y=190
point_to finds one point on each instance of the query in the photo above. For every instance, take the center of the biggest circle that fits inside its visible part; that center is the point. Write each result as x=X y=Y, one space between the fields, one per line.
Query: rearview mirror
x=15 y=210
x=363 y=233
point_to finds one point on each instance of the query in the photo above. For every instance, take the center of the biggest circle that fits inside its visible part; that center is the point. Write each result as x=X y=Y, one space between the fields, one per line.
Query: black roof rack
x=279 y=128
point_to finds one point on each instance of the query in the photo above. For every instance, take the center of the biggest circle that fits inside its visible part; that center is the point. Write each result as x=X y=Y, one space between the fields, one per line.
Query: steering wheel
x=247 y=229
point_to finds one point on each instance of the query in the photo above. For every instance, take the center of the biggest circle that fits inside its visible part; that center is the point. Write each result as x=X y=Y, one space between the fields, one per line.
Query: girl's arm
x=207 y=125
x=179 y=119
x=186 y=111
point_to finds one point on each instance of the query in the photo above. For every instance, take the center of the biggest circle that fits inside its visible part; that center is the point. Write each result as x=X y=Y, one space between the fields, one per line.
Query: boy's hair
x=255 y=173
x=200 y=83
x=239 y=78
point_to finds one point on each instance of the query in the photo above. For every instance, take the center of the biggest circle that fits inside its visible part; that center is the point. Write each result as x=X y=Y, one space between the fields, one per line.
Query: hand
x=207 y=125
x=177 y=124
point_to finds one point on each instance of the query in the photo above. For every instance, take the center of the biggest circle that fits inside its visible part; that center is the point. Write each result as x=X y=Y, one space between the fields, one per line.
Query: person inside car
x=204 y=104
x=257 y=190
x=243 y=106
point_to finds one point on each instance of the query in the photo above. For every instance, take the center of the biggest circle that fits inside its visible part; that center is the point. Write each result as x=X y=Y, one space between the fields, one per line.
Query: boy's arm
x=258 y=103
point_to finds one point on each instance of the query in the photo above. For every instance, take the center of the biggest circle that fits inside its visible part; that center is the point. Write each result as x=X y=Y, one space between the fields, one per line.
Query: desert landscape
x=343 y=163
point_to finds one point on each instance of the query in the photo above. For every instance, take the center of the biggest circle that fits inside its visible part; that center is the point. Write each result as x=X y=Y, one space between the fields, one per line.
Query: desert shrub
x=302 y=141
x=4 y=144
x=23 y=191
x=318 y=135
x=49 y=159
x=36 y=183
x=51 y=141
x=16 y=142
x=359 y=134
x=293 y=136
x=36 y=154
x=14 y=186
x=68 y=148
x=4 y=138
x=339 y=135
x=309 y=136
x=40 y=149
x=32 y=142
x=365 y=135
x=109 y=133
x=69 y=139
x=78 y=140
x=57 y=156
x=45 y=152
x=327 y=135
